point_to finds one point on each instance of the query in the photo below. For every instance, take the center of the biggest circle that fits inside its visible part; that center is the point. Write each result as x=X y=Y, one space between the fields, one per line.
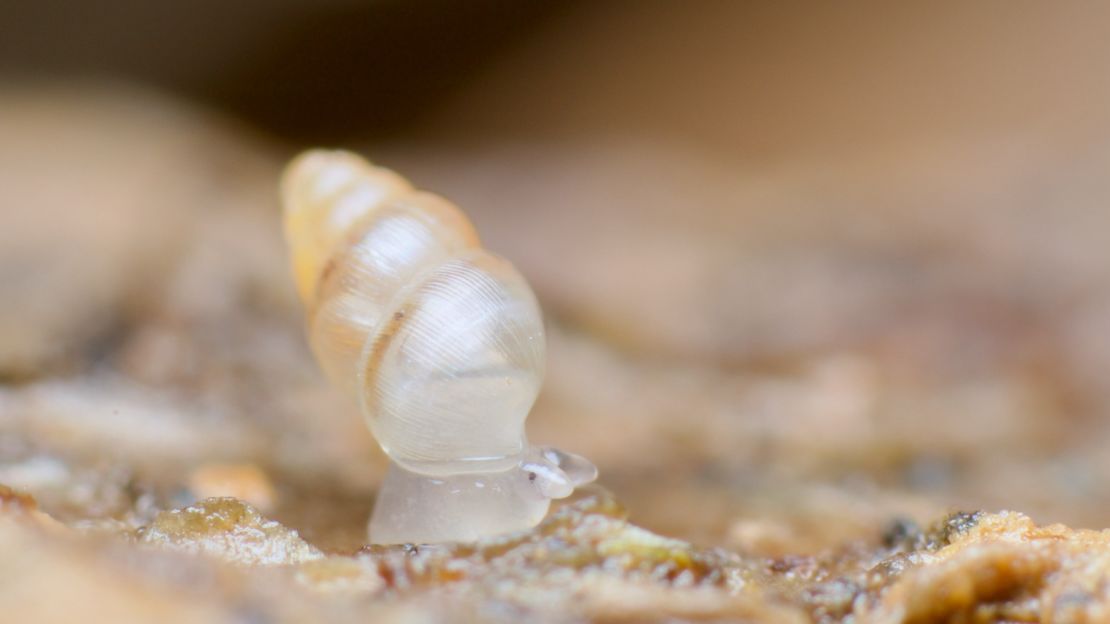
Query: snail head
x=555 y=473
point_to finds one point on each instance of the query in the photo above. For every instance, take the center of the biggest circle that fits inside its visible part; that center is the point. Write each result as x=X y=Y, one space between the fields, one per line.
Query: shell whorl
x=440 y=341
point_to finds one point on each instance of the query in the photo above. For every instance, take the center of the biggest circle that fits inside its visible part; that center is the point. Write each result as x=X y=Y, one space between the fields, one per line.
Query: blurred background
x=807 y=268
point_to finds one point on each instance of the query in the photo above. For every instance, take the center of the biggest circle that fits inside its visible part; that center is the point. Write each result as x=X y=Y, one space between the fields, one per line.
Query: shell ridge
x=376 y=341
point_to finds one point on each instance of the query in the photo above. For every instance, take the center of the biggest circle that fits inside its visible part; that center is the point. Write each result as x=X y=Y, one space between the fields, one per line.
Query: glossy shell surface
x=440 y=341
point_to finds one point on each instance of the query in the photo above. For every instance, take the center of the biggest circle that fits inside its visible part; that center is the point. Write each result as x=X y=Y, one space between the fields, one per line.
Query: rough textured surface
x=584 y=562
x=229 y=529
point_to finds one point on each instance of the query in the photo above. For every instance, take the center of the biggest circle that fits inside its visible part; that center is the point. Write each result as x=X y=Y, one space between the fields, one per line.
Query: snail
x=440 y=342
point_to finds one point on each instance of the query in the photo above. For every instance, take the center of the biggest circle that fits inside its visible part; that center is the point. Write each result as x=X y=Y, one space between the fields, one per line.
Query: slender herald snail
x=440 y=342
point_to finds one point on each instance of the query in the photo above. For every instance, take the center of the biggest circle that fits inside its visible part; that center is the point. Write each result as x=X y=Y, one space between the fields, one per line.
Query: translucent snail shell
x=440 y=341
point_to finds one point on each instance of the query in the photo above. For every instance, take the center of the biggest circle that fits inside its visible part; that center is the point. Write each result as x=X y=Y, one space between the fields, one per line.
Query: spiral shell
x=440 y=341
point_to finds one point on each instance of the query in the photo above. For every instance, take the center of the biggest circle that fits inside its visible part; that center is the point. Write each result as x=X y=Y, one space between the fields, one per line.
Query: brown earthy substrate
x=799 y=361
x=585 y=562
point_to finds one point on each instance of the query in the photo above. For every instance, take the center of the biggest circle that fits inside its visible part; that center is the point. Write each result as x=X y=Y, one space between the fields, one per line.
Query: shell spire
x=440 y=341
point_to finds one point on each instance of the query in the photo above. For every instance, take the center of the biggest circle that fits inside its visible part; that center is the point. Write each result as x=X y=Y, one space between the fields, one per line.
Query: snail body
x=440 y=342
